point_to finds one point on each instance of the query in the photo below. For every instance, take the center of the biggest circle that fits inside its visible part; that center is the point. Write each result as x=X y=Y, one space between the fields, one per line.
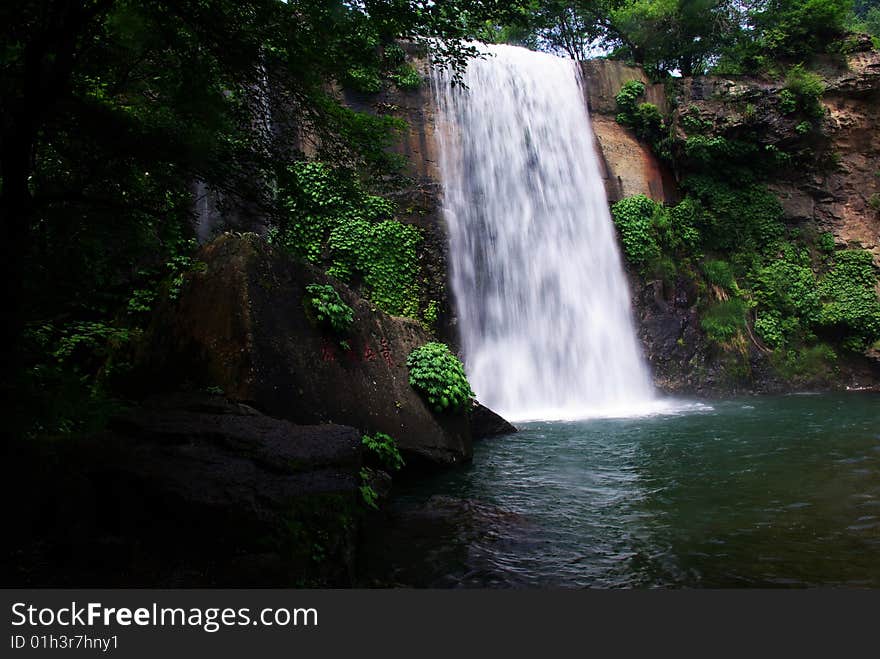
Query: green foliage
x=665 y=36
x=648 y=230
x=439 y=376
x=324 y=303
x=431 y=314
x=634 y=218
x=723 y=320
x=364 y=79
x=874 y=202
x=628 y=99
x=803 y=128
x=806 y=364
x=367 y=492
x=692 y=122
x=683 y=235
x=406 y=77
x=742 y=218
x=806 y=88
x=798 y=28
x=332 y=220
x=384 y=449
x=644 y=118
x=826 y=243
x=719 y=273
x=849 y=297
x=393 y=54
x=788 y=102
x=787 y=300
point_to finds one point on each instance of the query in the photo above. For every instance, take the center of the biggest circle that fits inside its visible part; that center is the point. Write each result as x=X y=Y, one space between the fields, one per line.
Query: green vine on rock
x=328 y=309
x=333 y=221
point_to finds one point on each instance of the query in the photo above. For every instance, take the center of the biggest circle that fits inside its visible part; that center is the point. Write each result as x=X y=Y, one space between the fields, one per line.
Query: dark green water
x=773 y=491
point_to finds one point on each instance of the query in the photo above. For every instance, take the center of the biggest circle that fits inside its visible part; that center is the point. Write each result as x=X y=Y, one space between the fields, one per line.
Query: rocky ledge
x=187 y=491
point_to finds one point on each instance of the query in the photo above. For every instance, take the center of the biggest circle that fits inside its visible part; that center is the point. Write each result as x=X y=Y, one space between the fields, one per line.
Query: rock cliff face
x=240 y=325
x=418 y=192
x=835 y=190
x=833 y=194
x=629 y=166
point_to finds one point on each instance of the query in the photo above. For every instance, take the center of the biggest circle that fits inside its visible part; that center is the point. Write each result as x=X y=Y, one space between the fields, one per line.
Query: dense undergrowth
x=785 y=290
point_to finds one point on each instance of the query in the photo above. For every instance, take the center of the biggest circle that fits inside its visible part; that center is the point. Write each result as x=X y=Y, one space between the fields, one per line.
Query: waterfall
x=542 y=299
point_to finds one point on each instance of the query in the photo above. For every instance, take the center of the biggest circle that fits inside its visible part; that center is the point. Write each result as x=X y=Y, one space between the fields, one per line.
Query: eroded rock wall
x=628 y=166
x=834 y=191
x=240 y=325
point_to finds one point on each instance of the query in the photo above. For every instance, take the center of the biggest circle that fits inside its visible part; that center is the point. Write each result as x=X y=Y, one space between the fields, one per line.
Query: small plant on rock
x=328 y=309
x=384 y=449
x=439 y=376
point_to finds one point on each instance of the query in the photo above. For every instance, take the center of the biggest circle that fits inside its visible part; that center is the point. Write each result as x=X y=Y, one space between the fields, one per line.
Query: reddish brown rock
x=628 y=166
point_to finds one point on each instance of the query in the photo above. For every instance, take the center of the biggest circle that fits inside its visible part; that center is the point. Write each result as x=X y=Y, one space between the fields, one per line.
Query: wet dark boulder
x=185 y=492
x=486 y=423
x=239 y=325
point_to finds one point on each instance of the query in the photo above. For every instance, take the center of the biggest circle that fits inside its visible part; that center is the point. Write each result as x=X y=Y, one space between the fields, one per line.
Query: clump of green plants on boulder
x=439 y=376
x=383 y=448
x=328 y=309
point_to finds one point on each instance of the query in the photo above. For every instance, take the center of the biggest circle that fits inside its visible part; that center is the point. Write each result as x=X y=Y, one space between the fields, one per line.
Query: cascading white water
x=542 y=299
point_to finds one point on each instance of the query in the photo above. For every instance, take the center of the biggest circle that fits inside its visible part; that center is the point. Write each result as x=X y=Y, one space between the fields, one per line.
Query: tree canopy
x=687 y=36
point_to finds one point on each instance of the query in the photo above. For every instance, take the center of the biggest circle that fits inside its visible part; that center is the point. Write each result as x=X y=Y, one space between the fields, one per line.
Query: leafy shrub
x=707 y=150
x=364 y=79
x=384 y=449
x=826 y=243
x=808 y=364
x=368 y=493
x=723 y=320
x=742 y=218
x=807 y=88
x=384 y=255
x=439 y=376
x=431 y=314
x=849 y=296
x=787 y=102
x=874 y=202
x=719 y=273
x=693 y=123
x=406 y=77
x=648 y=122
x=328 y=308
x=786 y=294
x=803 y=128
x=627 y=100
x=634 y=219
x=683 y=234
x=644 y=118
x=394 y=54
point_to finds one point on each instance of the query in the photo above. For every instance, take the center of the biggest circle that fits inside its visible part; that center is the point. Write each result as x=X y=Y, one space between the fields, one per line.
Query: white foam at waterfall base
x=542 y=300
